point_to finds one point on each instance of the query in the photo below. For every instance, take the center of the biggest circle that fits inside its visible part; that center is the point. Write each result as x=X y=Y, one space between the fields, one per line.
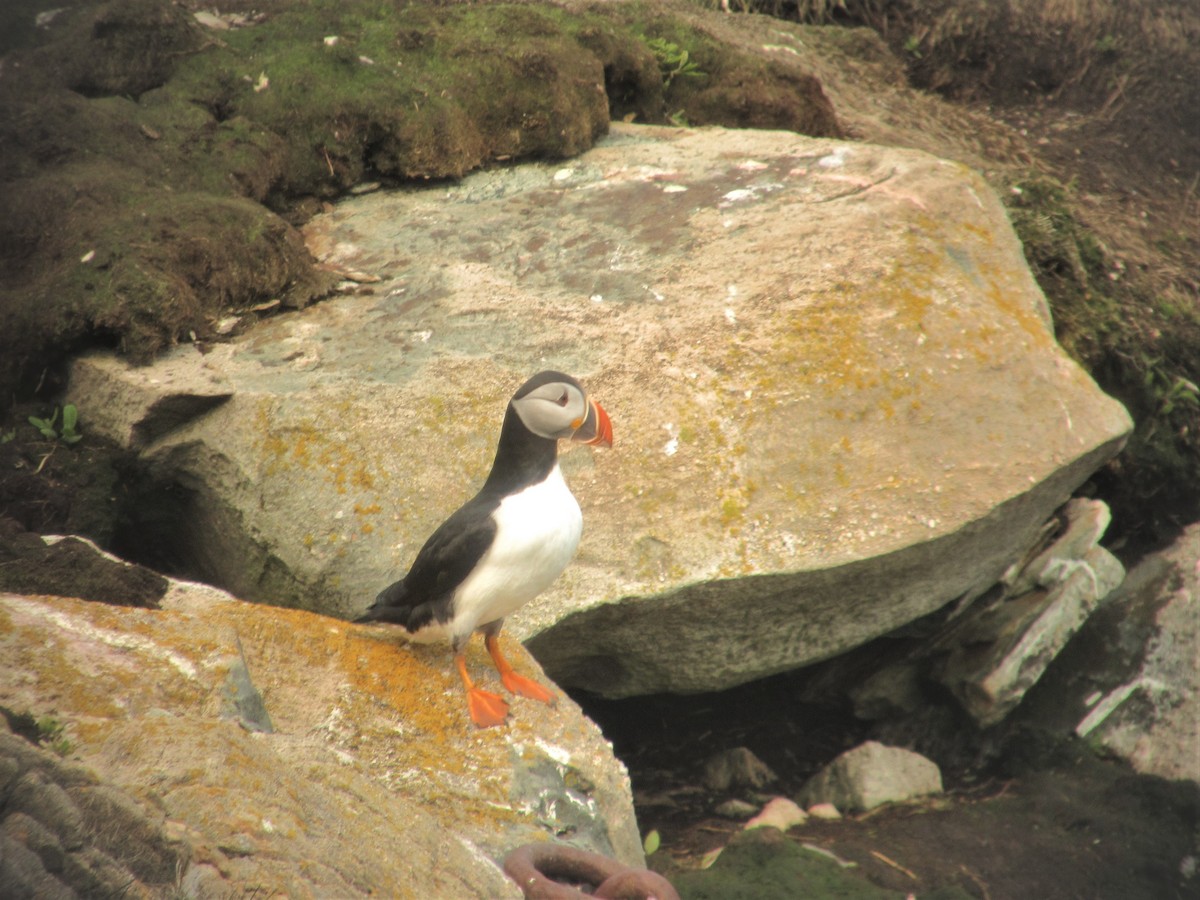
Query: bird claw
x=487 y=709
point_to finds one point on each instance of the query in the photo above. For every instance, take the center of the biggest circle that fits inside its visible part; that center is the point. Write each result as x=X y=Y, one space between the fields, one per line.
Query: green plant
x=68 y=434
x=8 y=436
x=652 y=842
x=51 y=735
x=1173 y=391
x=673 y=61
x=912 y=46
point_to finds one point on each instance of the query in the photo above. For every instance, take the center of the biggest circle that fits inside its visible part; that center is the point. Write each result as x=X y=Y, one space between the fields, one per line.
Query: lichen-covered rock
x=373 y=779
x=837 y=398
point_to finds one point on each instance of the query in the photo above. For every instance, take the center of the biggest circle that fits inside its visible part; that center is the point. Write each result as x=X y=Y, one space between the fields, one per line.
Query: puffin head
x=554 y=405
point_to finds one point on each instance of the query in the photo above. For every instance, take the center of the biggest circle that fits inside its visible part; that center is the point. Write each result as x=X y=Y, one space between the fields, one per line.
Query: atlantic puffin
x=507 y=544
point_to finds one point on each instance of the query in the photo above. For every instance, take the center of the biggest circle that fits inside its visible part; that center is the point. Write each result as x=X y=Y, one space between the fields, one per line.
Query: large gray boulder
x=837 y=398
x=254 y=749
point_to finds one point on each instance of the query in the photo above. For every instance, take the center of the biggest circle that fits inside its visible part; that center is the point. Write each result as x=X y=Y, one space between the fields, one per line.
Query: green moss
x=763 y=864
x=728 y=86
x=1142 y=349
x=415 y=92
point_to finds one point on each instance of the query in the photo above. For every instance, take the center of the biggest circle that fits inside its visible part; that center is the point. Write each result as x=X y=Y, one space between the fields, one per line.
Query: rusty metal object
x=547 y=871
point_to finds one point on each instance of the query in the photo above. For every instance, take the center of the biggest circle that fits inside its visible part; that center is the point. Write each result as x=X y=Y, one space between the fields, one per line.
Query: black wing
x=447 y=558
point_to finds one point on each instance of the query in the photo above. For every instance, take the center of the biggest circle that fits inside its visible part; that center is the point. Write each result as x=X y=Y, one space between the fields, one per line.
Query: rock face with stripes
x=842 y=406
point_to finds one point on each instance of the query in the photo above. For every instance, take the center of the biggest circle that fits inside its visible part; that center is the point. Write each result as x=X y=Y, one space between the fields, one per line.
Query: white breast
x=537 y=531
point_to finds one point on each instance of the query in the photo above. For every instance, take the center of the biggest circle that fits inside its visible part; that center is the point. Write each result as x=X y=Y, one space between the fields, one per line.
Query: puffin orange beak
x=596 y=428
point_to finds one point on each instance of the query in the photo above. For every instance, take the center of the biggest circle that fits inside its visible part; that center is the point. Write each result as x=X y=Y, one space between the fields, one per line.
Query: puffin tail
x=391 y=605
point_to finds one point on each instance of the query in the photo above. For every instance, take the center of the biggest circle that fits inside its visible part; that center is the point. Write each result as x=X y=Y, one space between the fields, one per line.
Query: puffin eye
x=562 y=401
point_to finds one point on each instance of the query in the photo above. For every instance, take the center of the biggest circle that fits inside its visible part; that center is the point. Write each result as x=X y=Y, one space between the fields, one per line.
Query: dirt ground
x=1025 y=815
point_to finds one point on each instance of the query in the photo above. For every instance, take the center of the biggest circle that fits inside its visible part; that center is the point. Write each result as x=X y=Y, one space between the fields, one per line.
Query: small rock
x=736 y=809
x=1129 y=681
x=735 y=768
x=227 y=324
x=781 y=813
x=872 y=774
x=210 y=20
x=826 y=811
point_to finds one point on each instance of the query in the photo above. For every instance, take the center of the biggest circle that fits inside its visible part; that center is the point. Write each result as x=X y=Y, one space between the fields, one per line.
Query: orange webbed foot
x=487 y=709
x=516 y=683
x=527 y=687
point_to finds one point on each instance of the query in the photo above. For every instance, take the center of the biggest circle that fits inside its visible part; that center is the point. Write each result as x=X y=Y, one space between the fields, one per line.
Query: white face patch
x=538 y=530
x=553 y=410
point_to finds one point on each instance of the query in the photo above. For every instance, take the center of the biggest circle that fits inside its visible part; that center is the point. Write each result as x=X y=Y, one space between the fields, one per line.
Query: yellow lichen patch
x=405 y=700
x=1017 y=309
x=303 y=443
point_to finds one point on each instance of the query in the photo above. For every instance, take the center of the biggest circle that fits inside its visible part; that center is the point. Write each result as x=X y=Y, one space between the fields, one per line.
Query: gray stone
x=135 y=412
x=241 y=700
x=999 y=651
x=203 y=880
x=1086 y=521
x=837 y=399
x=779 y=812
x=1130 y=680
x=870 y=775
